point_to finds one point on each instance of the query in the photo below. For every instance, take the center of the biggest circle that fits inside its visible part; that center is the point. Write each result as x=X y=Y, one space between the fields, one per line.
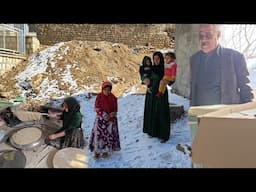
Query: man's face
x=208 y=38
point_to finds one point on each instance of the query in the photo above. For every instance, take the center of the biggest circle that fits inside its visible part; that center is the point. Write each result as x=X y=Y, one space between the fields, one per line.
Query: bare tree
x=240 y=37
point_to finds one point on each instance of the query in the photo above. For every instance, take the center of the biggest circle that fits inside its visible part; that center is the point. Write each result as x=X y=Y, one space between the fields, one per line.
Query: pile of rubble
x=73 y=67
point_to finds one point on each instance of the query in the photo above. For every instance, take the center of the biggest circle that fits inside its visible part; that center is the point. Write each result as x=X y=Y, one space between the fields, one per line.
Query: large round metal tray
x=30 y=146
x=12 y=159
x=70 y=158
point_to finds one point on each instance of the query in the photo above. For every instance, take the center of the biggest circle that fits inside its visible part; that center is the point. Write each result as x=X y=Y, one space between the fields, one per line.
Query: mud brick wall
x=157 y=35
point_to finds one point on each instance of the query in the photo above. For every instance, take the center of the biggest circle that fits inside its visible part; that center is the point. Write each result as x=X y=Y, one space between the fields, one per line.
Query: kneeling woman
x=71 y=134
x=104 y=136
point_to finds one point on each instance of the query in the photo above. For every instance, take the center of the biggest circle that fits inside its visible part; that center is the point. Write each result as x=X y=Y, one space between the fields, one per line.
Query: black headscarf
x=144 y=61
x=159 y=69
x=73 y=105
x=73 y=108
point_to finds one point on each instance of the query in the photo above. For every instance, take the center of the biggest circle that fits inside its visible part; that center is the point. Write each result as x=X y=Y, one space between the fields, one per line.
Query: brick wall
x=157 y=35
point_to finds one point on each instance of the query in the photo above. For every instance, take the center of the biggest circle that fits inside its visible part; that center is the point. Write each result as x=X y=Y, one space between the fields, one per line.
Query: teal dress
x=156 y=112
x=74 y=136
x=71 y=121
x=73 y=131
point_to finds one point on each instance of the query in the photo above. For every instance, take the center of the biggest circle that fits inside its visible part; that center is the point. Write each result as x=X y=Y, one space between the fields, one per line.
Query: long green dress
x=156 y=112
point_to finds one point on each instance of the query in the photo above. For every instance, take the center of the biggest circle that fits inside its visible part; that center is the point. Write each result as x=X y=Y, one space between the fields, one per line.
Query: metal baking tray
x=30 y=146
x=12 y=159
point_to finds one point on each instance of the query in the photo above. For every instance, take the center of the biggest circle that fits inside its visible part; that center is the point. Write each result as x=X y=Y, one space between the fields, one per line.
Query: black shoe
x=180 y=148
x=163 y=140
x=105 y=155
x=96 y=156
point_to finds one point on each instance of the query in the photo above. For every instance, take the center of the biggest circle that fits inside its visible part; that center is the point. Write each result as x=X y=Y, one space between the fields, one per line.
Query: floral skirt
x=104 y=136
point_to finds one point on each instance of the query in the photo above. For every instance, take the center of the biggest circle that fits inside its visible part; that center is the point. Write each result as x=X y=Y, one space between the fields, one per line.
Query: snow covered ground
x=139 y=151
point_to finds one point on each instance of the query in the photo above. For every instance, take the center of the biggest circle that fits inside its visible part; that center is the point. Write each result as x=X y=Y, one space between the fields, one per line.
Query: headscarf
x=106 y=84
x=106 y=103
x=144 y=61
x=73 y=105
x=73 y=108
x=159 y=69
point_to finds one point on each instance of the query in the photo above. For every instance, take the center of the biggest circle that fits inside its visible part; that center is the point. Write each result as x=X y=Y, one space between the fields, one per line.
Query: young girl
x=104 y=136
x=145 y=71
x=169 y=73
x=71 y=134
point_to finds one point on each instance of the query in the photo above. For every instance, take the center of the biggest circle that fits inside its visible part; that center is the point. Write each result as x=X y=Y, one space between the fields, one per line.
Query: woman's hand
x=52 y=115
x=112 y=114
x=52 y=136
x=56 y=135
x=146 y=81
x=107 y=117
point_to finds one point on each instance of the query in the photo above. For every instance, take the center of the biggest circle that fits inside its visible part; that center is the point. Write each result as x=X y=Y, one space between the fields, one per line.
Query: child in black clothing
x=145 y=71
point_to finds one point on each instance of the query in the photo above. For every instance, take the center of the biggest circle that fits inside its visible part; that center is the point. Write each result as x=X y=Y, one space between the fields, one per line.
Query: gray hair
x=217 y=27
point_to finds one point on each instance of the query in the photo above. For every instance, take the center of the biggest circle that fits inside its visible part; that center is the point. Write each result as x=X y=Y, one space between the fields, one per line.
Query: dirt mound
x=73 y=67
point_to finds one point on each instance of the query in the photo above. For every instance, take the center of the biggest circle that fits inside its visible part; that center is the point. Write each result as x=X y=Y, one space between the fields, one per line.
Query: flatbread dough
x=70 y=158
x=27 y=115
x=27 y=136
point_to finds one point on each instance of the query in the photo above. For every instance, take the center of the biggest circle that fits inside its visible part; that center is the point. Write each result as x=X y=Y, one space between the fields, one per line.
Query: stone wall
x=157 y=35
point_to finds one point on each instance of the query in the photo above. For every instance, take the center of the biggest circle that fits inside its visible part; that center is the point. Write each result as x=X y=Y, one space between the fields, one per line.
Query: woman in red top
x=104 y=136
